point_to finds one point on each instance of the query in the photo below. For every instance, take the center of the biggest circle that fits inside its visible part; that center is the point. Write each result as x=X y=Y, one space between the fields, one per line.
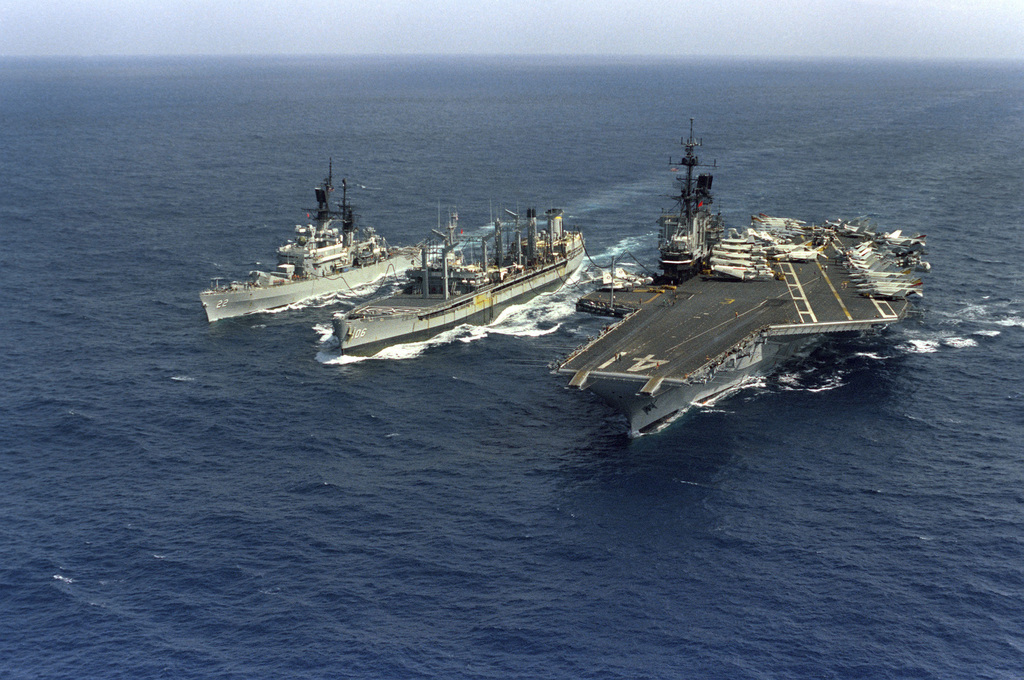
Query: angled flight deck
x=679 y=334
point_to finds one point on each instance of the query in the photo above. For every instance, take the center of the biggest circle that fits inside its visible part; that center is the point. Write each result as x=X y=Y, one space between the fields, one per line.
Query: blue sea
x=190 y=500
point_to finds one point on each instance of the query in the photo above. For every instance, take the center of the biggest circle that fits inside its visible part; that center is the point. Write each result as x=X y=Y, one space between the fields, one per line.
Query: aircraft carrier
x=729 y=306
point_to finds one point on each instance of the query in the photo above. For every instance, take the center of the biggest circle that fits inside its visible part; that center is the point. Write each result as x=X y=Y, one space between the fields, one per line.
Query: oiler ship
x=320 y=260
x=446 y=290
x=729 y=306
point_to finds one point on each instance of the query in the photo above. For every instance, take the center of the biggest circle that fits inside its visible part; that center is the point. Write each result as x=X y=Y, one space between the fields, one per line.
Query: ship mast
x=324 y=214
x=323 y=206
x=694 y=195
x=688 y=197
x=685 y=238
x=348 y=221
x=447 y=246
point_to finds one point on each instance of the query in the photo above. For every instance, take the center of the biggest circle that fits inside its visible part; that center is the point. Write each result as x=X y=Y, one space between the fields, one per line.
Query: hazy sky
x=754 y=28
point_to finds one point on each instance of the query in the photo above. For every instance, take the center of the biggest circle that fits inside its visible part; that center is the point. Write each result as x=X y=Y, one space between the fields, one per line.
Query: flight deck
x=676 y=333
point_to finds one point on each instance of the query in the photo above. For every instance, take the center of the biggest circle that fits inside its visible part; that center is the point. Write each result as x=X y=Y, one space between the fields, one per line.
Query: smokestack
x=531 y=246
x=554 y=223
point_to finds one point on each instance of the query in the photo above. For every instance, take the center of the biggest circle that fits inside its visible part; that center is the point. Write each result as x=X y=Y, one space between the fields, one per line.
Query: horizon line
x=531 y=56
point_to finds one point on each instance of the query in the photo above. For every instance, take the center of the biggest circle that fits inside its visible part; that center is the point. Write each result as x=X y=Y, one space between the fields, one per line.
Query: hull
x=696 y=341
x=365 y=336
x=649 y=412
x=698 y=336
x=248 y=299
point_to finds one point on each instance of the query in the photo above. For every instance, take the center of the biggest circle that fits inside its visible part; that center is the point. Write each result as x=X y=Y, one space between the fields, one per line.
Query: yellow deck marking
x=834 y=291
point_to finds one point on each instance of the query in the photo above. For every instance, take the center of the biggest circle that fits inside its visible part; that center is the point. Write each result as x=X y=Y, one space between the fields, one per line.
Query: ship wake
x=543 y=315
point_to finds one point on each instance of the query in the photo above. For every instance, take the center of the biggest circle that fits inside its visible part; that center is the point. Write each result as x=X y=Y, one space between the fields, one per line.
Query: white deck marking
x=643 y=363
x=796 y=291
x=891 y=314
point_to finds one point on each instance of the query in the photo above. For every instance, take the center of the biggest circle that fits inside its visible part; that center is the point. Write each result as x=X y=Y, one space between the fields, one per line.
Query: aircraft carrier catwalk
x=730 y=306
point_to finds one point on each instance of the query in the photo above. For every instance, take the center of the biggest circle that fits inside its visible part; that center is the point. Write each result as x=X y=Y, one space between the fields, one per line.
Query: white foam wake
x=623 y=246
x=959 y=343
x=540 y=316
x=931 y=345
x=920 y=346
x=831 y=383
x=326 y=332
x=1003 y=313
x=751 y=382
x=350 y=296
x=409 y=350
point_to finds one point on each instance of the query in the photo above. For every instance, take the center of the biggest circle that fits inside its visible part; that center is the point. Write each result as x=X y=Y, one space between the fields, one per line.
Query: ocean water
x=186 y=500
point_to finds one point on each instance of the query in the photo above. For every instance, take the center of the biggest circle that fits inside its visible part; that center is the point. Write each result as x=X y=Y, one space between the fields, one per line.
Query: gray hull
x=648 y=412
x=249 y=299
x=366 y=336
x=695 y=341
x=731 y=306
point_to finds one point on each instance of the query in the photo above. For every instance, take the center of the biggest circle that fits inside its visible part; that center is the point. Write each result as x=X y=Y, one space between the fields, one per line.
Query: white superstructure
x=321 y=259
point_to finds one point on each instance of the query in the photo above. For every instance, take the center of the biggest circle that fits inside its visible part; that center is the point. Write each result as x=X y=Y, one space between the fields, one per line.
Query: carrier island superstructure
x=320 y=260
x=729 y=306
x=447 y=290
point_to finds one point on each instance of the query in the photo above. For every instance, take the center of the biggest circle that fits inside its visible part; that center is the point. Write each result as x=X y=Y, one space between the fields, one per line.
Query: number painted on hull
x=223 y=303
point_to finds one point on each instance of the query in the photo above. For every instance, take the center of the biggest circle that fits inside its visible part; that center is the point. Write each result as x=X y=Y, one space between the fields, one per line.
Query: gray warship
x=731 y=305
x=321 y=259
x=445 y=290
